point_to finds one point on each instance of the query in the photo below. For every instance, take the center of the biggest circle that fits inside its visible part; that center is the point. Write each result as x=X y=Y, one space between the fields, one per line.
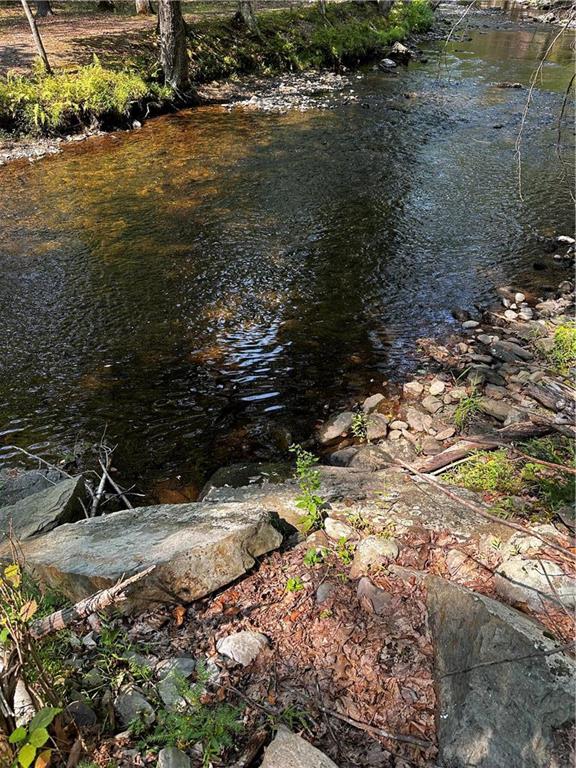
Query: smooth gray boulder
x=131 y=705
x=287 y=750
x=195 y=548
x=493 y=711
x=336 y=426
x=42 y=511
x=172 y=757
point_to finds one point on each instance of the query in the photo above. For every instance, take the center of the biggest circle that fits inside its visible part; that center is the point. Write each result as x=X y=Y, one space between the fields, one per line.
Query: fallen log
x=96 y=602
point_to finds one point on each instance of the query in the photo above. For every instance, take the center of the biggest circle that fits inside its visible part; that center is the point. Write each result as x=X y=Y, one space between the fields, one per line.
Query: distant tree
x=173 y=48
x=144 y=7
x=246 y=15
x=36 y=35
x=43 y=8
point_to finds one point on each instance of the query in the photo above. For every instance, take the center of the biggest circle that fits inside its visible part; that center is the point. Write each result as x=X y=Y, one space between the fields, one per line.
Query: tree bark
x=246 y=15
x=173 y=49
x=143 y=7
x=43 y=9
x=36 y=35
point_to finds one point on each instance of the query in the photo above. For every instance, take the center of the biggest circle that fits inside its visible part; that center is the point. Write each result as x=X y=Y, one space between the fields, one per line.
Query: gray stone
x=371 y=403
x=437 y=387
x=431 y=446
x=16 y=484
x=336 y=426
x=485 y=339
x=458 y=393
x=195 y=548
x=509 y=352
x=181 y=666
x=501 y=714
x=325 y=591
x=412 y=390
x=172 y=757
x=370 y=458
x=510 y=314
x=343 y=457
x=42 y=511
x=387 y=64
x=418 y=420
x=83 y=715
x=169 y=689
x=519 y=298
x=238 y=475
x=378 y=601
x=377 y=427
x=446 y=433
x=432 y=404
x=336 y=529
x=242 y=647
x=131 y=705
x=400 y=425
x=530 y=582
x=370 y=552
x=287 y=750
x=498 y=409
x=469 y=324
x=526 y=313
x=394 y=434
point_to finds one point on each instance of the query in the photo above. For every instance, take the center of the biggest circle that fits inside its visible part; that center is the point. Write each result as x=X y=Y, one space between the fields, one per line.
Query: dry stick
x=115 y=485
x=96 y=602
x=100 y=490
x=560 y=649
x=482 y=512
x=377 y=731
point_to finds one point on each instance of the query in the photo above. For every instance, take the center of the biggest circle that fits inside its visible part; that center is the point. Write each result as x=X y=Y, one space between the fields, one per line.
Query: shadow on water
x=210 y=281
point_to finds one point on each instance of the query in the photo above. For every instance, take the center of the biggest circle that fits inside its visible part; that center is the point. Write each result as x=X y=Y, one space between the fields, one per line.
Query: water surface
x=203 y=284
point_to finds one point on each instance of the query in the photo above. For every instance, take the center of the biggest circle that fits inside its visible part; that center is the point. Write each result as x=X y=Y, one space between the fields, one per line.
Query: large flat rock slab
x=493 y=711
x=196 y=548
x=405 y=501
x=42 y=511
x=16 y=484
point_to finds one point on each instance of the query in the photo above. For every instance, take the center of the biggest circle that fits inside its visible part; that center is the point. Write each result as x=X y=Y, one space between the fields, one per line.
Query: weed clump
x=563 y=353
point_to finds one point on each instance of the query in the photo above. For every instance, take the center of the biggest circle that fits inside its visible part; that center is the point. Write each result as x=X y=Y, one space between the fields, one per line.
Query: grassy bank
x=288 y=40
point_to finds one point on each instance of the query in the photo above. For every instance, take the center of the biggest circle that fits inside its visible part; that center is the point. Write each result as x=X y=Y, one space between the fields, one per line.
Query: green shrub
x=487 y=471
x=563 y=353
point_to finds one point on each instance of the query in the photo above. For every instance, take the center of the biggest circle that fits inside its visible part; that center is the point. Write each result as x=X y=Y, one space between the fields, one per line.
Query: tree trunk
x=36 y=35
x=246 y=15
x=173 y=49
x=322 y=7
x=43 y=9
x=143 y=7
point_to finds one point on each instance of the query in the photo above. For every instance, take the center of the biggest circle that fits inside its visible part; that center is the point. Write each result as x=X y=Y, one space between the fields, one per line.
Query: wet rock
x=377 y=428
x=372 y=551
x=336 y=529
x=42 y=511
x=412 y=390
x=530 y=582
x=437 y=387
x=386 y=64
x=337 y=426
x=172 y=757
x=131 y=705
x=242 y=647
x=287 y=750
x=239 y=475
x=371 y=403
x=400 y=52
x=417 y=420
x=432 y=404
x=501 y=714
x=373 y=598
x=195 y=548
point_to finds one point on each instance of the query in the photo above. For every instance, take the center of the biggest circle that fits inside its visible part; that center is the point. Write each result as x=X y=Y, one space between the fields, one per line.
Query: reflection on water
x=204 y=283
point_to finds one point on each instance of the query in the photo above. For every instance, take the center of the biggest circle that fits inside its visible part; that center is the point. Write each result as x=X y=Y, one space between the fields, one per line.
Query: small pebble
x=469 y=324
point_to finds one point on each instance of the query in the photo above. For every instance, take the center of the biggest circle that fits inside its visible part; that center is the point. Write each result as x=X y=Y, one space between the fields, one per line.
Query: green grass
x=487 y=471
x=67 y=100
x=466 y=409
x=563 y=353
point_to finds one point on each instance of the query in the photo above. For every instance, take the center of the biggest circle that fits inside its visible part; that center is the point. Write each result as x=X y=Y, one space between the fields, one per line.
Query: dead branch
x=114 y=484
x=483 y=513
x=510 y=660
x=377 y=731
x=96 y=602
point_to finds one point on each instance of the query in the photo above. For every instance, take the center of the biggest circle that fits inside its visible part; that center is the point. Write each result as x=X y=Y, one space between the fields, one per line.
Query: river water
x=201 y=285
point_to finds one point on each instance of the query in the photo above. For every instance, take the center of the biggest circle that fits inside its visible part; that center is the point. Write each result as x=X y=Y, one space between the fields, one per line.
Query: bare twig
x=93 y=604
x=114 y=485
x=483 y=513
x=510 y=660
x=377 y=731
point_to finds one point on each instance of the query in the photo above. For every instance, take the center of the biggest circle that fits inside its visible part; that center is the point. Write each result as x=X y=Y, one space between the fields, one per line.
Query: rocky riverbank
x=409 y=603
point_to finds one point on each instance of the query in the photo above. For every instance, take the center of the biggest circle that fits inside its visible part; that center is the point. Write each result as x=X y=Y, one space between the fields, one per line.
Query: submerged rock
x=42 y=511
x=507 y=713
x=288 y=750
